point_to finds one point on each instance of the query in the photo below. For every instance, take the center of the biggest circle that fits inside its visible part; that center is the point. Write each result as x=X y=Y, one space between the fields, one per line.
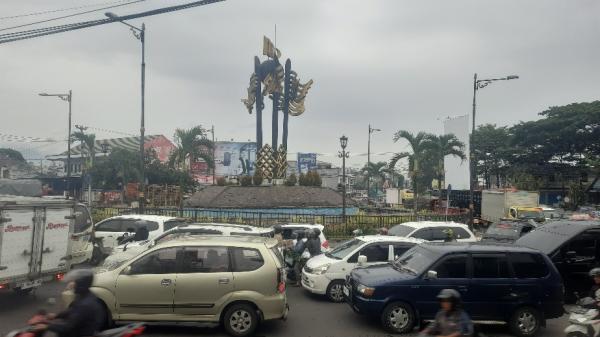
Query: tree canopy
x=12 y=154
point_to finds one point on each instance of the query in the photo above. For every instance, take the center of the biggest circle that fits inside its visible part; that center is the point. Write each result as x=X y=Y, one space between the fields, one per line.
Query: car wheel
x=240 y=320
x=398 y=317
x=335 y=291
x=525 y=322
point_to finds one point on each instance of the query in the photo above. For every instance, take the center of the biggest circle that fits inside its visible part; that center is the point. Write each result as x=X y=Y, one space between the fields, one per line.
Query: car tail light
x=60 y=276
x=135 y=332
x=280 y=281
x=3 y=285
x=325 y=244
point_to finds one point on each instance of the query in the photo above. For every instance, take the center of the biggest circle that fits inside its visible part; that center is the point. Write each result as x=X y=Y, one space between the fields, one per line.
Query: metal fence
x=335 y=226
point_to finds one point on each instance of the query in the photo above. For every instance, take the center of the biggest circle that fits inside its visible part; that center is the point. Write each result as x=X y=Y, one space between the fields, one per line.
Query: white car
x=436 y=231
x=130 y=250
x=111 y=229
x=325 y=274
x=289 y=229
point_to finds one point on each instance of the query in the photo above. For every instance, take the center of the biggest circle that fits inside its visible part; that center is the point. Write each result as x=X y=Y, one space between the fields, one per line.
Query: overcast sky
x=395 y=64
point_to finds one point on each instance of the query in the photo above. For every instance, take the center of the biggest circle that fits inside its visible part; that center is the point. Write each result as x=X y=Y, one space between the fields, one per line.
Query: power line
x=72 y=15
x=59 y=10
x=11 y=37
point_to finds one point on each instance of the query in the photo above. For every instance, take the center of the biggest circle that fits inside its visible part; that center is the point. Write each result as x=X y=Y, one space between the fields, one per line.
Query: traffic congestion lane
x=310 y=316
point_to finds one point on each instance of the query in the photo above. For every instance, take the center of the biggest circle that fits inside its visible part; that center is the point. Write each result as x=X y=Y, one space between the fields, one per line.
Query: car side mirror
x=432 y=275
x=362 y=260
x=126 y=271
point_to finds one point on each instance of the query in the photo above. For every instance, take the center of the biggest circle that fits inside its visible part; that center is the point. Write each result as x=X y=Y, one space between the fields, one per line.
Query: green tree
x=377 y=172
x=442 y=146
x=120 y=167
x=12 y=154
x=192 y=144
x=419 y=144
x=493 y=152
x=88 y=147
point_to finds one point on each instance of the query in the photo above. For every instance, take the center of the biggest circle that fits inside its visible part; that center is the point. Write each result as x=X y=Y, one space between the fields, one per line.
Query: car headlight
x=321 y=269
x=365 y=291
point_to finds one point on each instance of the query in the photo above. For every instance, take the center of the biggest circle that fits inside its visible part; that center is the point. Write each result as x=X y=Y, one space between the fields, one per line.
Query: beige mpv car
x=235 y=281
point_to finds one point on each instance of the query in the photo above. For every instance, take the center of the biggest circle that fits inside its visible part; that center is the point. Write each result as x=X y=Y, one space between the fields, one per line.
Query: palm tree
x=419 y=144
x=376 y=170
x=192 y=144
x=88 y=147
x=442 y=146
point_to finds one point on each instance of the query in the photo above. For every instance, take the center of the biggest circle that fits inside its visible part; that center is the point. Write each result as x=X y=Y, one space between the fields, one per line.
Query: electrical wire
x=30 y=34
x=72 y=15
x=59 y=10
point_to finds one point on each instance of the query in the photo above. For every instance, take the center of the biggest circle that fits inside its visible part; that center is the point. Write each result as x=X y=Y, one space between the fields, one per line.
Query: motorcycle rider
x=84 y=316
x=278 y=235
x=299 y=260
x=451 y=320
x=595 y=291
x=314 y=243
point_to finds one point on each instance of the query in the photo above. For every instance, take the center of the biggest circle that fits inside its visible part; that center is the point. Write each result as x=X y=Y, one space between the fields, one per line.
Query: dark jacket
x=84 y=317
x=314 y=246
x=449 y=323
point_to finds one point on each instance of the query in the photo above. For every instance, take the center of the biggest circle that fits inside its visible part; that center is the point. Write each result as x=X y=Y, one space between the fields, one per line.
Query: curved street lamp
x=343 y=154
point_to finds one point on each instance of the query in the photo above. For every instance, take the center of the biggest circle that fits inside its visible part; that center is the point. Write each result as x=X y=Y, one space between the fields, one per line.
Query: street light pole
x=371 y=130
x=140 y=34
x=343 y=154
x=478 y=84
x=69 y=98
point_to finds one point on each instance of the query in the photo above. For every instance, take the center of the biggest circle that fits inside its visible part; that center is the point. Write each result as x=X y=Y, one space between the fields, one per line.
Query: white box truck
x=498 y=204
x=35 y=240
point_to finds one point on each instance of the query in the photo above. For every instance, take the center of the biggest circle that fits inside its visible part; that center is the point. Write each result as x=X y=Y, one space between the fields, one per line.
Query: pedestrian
x=451 y=320
x=299 y=260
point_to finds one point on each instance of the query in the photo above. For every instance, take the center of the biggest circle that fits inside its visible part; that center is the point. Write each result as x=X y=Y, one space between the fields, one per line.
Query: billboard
x=457 y=170
x=234 y=158
x=306 y=162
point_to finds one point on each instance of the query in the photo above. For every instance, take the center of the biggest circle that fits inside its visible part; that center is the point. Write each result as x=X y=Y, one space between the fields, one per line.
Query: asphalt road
x=310 y=316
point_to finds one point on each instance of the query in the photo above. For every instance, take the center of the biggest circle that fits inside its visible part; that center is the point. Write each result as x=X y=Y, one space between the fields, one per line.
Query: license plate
x=346 y=291
x=29 y=284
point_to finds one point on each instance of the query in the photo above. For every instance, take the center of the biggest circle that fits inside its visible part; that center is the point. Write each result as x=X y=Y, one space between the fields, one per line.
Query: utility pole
x=371 y=130
x=214 y=168
x=68 y=98
x=81 y=129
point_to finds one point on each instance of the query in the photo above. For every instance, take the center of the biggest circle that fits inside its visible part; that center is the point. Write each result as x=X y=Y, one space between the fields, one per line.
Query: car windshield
x=344 y=249
x=415 y=260
x=400 y=230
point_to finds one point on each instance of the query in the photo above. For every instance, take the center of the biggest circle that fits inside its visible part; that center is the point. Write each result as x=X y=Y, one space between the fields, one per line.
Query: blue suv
x=497 y=282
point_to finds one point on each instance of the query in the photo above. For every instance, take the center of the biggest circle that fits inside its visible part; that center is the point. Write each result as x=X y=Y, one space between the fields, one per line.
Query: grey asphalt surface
x=310 y=316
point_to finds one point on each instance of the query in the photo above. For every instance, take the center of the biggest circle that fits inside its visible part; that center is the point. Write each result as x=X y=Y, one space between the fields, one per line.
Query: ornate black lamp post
x=343 y=154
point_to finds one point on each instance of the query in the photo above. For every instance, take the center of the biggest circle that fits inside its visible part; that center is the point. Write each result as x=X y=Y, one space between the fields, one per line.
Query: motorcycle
x=130 y=330
x=584 y=319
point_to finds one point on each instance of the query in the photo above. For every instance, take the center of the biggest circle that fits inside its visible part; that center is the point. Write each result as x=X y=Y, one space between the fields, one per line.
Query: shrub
x=291 y=180
x=221 y=181
x=257 y=179
x=302 y=180
x=246 y=180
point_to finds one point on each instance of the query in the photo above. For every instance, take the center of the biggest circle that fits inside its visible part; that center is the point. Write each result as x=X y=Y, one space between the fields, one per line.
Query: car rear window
x=246 y=259
x=400 y=230
x=528 y=265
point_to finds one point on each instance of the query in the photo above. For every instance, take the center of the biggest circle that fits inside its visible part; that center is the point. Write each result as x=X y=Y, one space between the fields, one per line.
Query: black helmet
x=277 y=229
x=299 y=235
x=317 y=232
x=83 y=279
x=595 y=272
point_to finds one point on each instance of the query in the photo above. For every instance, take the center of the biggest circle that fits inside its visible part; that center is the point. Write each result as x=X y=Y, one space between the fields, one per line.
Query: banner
x=306 y=162
x=234 y=158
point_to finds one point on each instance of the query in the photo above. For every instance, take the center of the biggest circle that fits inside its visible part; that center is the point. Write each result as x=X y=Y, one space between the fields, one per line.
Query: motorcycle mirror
x=432 y=275
x=362 y=260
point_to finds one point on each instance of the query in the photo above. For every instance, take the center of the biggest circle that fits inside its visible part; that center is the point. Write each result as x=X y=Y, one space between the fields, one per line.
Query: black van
x=574 y=248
